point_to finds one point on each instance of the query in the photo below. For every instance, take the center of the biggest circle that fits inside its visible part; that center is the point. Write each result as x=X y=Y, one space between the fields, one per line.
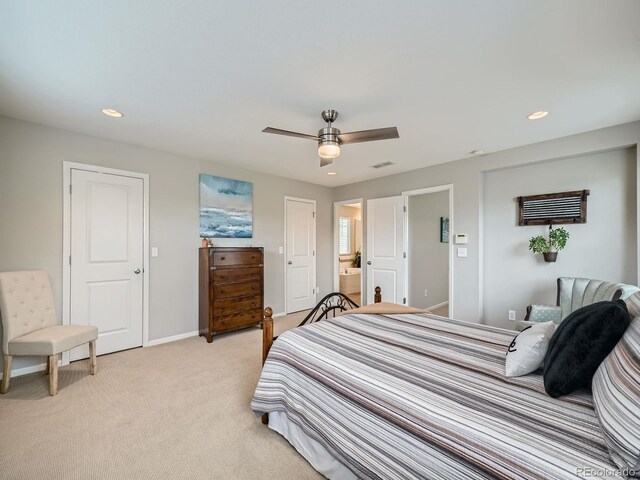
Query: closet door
x=300 y=218
x=107 y=269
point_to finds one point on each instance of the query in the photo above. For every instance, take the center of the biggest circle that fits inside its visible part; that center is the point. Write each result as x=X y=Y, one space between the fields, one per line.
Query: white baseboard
x=439 y=305
x=173 y=338
x=17 y=372
x=281 y=314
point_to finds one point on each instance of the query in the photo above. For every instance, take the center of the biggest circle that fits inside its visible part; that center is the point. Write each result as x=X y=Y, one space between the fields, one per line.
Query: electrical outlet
x=512 y=315
x=425 y=292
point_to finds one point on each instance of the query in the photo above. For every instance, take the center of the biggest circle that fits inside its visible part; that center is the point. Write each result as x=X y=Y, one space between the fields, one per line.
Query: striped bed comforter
x=421 y=396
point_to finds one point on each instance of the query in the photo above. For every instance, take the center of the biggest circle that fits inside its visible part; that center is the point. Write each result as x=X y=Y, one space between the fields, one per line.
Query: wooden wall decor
x=553 y=208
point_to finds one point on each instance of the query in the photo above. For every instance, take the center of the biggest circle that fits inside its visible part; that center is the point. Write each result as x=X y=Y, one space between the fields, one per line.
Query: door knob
x=369 y=262
x=136 y=271
x=289 y=262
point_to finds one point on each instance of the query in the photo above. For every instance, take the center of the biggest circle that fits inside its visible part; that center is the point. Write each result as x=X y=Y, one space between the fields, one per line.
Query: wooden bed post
x=377 y=298
x=267 y=333
x=267 y=341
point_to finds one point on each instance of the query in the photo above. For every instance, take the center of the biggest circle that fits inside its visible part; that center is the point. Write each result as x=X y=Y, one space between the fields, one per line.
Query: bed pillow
x=528 y=349
x=616 y=397
x=581 y=343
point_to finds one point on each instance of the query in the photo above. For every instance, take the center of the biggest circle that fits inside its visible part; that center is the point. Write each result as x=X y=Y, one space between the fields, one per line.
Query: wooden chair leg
x=93 y=365
x=6 y=374
x=53 y=375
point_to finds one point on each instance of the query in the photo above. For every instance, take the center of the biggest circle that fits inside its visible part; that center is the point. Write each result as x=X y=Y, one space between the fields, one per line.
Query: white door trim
x=422 y=191
x=66 y=242
x=336 y=241
x=315 y=249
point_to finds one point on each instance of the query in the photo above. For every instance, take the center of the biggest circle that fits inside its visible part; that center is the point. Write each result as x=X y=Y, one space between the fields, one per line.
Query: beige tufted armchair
x=29 y=325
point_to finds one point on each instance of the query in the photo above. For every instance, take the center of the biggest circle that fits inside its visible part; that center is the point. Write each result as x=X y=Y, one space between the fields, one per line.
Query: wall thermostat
x=460 y=238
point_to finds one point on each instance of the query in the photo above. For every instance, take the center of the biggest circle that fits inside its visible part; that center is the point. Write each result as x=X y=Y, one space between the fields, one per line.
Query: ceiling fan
x=329 y=138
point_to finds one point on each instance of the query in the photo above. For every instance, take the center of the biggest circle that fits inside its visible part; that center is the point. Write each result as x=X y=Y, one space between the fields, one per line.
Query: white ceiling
x=203 y=78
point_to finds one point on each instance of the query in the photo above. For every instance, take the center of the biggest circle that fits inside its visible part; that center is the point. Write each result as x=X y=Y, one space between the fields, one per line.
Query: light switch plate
x=462 y=252
x=154 y=251
x=280 y=250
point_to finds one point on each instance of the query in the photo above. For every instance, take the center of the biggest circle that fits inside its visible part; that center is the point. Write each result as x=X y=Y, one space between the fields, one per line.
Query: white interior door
x=300 y=254
x=385 y=240
x=106 y=263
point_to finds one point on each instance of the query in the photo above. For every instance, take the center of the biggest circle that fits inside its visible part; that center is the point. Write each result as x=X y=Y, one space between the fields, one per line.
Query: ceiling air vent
x=383 y=164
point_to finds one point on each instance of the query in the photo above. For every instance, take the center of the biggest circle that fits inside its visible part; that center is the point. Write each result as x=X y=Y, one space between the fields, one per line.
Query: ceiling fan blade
x=369 y=135
x=278 y=131
x=325 y=161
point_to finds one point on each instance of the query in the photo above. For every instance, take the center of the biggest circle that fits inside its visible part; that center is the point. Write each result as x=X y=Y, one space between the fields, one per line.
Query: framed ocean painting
x=226 y=208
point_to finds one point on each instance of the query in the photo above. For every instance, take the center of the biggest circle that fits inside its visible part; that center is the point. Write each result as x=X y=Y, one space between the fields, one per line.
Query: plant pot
x=550 y=256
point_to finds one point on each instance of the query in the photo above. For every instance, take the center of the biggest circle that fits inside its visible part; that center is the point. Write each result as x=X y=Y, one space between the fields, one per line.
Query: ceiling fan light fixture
x=328 y=149
x=330 y=138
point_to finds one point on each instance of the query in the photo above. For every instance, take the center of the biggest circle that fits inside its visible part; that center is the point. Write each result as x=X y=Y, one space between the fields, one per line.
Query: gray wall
x=428 y=257
x=466 y=176
x=603 y=248
x=31 y=159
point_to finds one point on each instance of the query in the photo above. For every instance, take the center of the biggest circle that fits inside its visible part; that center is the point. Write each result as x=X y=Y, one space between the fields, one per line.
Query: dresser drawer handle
x=222 y=277
x=223 y=258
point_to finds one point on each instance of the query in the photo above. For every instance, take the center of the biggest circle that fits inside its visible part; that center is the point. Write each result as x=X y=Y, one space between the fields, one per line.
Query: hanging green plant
x=549 y=248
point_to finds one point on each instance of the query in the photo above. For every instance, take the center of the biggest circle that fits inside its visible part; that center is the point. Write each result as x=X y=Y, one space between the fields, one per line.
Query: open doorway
x=428 y=247
x=348 y=248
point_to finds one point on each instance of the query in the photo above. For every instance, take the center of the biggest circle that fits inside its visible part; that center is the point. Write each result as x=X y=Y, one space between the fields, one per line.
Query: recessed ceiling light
x=110 y=112
x=477 y=152
x=537 y=115
x=331 y=173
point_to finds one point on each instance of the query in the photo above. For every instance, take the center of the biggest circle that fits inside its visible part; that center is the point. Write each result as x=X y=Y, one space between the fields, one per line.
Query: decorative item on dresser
x=231 y=289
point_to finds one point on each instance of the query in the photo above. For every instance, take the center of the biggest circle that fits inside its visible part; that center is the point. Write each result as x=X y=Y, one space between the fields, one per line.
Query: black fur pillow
x=580 y=344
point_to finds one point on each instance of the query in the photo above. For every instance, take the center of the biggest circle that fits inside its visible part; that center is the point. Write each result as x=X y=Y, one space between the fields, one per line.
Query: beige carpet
x=356 y=298
x=178 y=410
x=442 y=311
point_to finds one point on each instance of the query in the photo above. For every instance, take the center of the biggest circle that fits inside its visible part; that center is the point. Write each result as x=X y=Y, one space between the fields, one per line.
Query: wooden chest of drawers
x=231 y=289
